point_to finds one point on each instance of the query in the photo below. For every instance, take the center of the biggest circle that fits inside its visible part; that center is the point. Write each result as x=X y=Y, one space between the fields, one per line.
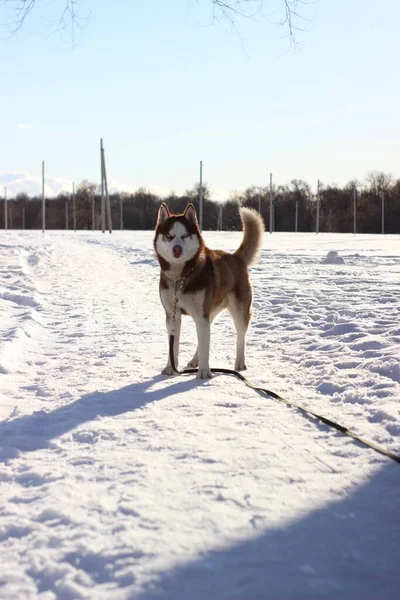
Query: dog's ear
x=190 y=213
x=163 y=214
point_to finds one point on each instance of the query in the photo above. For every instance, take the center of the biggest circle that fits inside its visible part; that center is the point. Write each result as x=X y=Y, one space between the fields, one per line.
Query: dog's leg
x=203 y=338
x=241 y=318
x=241 y=329
x=194 y=363
x=178 y=319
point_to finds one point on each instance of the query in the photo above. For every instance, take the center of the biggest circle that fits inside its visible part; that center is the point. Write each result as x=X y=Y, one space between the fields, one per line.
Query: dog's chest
x=189 y=303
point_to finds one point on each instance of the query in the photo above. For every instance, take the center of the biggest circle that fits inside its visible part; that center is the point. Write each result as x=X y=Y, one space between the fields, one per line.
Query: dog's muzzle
x=177 y=251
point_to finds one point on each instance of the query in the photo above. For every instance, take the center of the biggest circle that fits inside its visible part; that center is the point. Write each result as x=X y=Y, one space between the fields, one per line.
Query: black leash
x=309 y=413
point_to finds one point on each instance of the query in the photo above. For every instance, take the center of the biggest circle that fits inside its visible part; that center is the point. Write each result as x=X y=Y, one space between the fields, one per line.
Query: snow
x=333 y=258
x=117 y=482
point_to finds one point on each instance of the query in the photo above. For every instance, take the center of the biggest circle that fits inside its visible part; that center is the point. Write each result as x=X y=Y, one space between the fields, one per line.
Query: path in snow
x=120 y=483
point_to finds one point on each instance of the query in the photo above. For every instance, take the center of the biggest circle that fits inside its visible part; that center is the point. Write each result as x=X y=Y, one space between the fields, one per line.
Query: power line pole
x=354 y=209
x=92 y=212
x=23 y=213
x=43 y=202
x=66 y=213
x=107 y=197
x=219 y=224
x=103 y=206
x=5 y=209
x=382 y=195
x=318 y=199
x=74 y=204
x=271 y=209
x=201 y=196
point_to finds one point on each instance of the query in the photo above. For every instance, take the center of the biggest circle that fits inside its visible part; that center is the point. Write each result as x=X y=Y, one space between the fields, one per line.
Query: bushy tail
x=253 y=231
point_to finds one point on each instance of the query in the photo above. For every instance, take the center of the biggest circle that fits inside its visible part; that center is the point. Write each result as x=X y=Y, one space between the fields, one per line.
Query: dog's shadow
x=35 y=431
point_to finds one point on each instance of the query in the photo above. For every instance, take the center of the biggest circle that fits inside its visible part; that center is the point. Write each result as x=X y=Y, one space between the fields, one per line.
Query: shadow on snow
x=347 y=550
x=33 y=432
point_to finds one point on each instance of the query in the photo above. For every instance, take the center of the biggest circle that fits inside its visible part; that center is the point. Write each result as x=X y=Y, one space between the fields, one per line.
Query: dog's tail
x=253 y=231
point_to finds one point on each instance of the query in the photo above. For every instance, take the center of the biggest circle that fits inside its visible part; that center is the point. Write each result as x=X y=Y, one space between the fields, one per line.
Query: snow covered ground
x=119 y=483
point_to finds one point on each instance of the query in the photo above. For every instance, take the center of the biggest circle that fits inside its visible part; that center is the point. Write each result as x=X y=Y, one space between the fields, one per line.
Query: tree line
x=139 y=209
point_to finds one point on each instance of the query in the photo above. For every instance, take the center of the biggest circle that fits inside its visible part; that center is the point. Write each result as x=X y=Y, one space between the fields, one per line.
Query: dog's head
x=177 y=239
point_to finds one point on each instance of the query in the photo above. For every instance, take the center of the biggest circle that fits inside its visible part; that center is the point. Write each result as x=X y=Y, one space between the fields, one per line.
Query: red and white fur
x=211 y=280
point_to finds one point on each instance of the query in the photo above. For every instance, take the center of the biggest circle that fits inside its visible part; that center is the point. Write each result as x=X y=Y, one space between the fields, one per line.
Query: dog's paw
x=193 y=364
x=203 y=374
x=168 y=370
x=240 y=365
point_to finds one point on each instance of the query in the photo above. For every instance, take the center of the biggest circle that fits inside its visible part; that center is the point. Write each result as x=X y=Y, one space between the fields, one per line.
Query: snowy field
x=119 y=483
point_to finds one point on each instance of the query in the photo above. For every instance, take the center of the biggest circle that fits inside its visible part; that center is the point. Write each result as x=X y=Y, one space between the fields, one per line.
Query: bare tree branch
x=20 y=10
x=285 y=13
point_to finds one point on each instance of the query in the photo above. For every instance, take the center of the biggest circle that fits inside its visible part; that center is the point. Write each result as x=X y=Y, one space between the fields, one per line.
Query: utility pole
x=5 y=209
x=318 y=200
x=43 y=202
x=23 y=213
x=103 y=206
x=66 y=213
x=271 y=206
x=219 y=225
x=74 y=205
x=107 y=197
x=354 y=209
x=201 y=196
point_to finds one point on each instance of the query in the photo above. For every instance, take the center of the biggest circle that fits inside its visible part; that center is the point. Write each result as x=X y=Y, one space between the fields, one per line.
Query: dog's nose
x=177 y=251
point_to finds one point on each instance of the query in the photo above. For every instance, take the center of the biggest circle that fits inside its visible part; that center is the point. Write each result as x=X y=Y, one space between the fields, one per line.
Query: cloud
x=21 y=181
x=24 y=126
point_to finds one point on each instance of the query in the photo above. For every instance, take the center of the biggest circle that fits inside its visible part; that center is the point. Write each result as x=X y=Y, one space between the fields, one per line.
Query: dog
x=200 y=282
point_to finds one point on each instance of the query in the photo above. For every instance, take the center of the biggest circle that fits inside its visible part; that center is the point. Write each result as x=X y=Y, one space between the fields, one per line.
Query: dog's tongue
x=177 y=251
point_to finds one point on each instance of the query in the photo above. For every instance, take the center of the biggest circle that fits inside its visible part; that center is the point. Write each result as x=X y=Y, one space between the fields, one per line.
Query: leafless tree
x=284 y=12
x=69 y=15
x=378 y=182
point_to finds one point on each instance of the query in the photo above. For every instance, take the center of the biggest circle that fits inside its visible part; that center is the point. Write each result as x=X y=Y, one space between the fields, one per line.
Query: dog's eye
x=169 y=236
x=186 y=235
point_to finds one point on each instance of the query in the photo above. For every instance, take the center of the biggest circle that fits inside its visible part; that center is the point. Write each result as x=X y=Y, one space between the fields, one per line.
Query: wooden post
x=354 y=209
x=318 y=200
x=103 y=206
x=107 y=198
x=43 y=202
x=219 y=225
x=201 y=197
x=5 y=209
x=382 y=195
x=74 y=205
x=271 y=209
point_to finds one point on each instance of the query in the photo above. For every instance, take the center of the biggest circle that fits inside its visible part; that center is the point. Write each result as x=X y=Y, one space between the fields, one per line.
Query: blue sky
x=165 y=89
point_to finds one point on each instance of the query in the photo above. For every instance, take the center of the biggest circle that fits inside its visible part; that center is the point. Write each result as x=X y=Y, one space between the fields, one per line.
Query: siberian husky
x=200 y=282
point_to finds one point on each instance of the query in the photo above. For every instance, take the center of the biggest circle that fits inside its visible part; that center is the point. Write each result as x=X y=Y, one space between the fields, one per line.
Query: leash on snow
x=262 y=391
x=305 y=411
